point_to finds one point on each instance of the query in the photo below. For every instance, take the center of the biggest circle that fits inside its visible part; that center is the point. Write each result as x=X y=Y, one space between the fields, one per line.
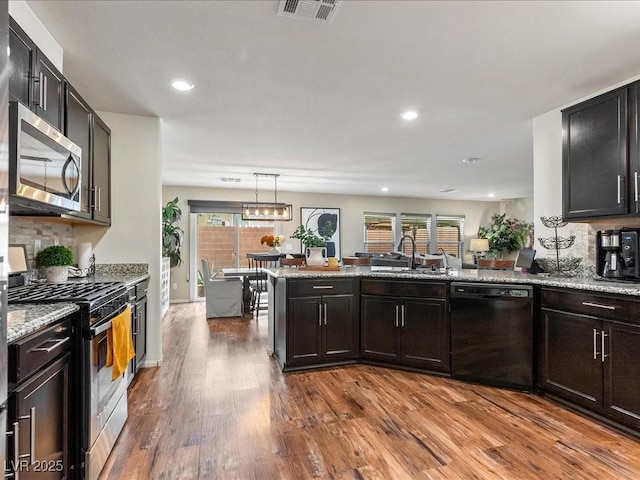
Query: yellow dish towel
x=120 y=344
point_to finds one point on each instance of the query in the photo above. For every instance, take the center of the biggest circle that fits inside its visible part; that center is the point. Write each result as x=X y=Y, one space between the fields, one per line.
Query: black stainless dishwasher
x=492 y=334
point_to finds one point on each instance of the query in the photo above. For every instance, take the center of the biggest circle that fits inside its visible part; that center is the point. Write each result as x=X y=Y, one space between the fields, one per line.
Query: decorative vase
x=57 y=274
x=274 y=251
x=315 y=256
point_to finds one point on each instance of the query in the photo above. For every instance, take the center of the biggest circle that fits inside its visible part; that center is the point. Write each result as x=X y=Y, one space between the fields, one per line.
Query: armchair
x=223 y=295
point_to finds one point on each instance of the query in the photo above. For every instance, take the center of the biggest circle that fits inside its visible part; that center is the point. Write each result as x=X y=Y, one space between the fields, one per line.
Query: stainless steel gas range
x=102 y=402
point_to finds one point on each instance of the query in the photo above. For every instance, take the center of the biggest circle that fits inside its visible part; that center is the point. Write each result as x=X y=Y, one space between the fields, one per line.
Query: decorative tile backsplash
x=25 y=230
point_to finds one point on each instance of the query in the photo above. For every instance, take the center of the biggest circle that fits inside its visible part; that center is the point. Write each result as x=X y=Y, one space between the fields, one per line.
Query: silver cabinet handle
x=320 y=314
x=15 y=463
x=40 y=89
x=595 y=344
x=325 y=313
x=603 y=356
x=56 y=343
x=44 y=91
x=635 y=185
x=32 y=434
x=619 y=199
x=397 y=309
x=402 y=314
x=599 y=305
x=100 y=199
x=322 y=287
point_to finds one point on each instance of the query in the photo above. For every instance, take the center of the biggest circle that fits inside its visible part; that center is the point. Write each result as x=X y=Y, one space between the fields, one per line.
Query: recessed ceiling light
x=491 y=195
x=471 y=160
x=385 y=189
x=182 y=85
x=410 y=115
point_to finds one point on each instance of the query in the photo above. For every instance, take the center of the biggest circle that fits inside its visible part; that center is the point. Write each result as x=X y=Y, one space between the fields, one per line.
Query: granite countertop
x=491 y=276
x=23 y=319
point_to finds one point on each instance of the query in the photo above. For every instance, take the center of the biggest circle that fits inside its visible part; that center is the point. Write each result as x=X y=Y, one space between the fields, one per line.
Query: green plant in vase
x=505 y=235
x=54 y=261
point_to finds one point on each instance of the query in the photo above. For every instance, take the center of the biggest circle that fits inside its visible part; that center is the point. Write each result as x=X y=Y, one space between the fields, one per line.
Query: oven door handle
x=98 y=329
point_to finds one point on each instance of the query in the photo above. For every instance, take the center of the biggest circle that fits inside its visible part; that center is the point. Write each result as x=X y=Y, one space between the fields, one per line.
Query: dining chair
x=223 y=295
x=259 y=261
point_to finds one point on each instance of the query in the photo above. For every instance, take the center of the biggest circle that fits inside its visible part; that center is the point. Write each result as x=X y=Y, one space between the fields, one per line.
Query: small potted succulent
x=54 y=261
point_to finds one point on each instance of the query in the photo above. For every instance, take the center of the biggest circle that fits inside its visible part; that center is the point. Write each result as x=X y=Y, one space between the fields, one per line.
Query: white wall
x=24 y=16
x=136 y=203
x=351 y=210
x=547 y=181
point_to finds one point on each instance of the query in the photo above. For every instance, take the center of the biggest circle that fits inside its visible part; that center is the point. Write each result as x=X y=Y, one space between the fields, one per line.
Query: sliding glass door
x=224 y=239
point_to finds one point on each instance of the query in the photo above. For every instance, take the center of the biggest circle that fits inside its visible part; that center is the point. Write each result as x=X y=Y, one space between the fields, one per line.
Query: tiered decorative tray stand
x=567 y=266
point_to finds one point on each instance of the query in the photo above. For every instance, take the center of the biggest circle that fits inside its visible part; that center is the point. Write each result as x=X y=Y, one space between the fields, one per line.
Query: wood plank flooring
x=219 y=408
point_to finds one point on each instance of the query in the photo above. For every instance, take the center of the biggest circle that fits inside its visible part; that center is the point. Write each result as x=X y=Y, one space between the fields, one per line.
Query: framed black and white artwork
x=324 y=222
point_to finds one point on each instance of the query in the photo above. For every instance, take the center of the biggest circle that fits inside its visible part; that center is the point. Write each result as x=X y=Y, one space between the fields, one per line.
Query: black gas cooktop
x=89 y=295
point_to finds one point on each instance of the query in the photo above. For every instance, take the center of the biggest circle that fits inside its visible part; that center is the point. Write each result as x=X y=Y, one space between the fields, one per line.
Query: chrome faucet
x=413 y=249
x=445 y=262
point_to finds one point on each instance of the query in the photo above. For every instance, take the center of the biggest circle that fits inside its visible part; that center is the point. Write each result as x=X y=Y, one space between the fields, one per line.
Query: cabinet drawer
x=141 y=289
x=330 y=286
x=401 y=288
x=603 y=306
x=31 y=353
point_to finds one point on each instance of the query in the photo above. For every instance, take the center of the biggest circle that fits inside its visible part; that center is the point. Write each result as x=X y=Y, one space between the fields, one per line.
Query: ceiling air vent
x=230 y=179
x=314 y=10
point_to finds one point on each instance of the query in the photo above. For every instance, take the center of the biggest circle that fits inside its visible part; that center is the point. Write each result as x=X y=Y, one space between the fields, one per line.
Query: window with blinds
x=450 y=234
x=379 y=232
x=418 y=227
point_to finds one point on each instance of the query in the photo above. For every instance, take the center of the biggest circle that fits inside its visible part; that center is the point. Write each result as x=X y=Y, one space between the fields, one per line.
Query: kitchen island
x=587 y=331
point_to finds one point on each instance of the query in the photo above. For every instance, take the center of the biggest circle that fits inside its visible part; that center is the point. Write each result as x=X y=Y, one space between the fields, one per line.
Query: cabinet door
x=47 y=394
x=22 y=53
x=425 y=341
x=140 y=332
x=595 y=157
x=101 y=171
x=380 y=328
x=634 y=146
x=49 y=95
x=78 y=130
x=303 y=330
x=621 y=379
x=339 y=331
x=570 y=356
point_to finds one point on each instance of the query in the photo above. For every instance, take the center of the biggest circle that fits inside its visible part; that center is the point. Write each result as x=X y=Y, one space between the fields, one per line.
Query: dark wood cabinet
x=321 y=322
x=33 y=79
x=401 y=324
x=589 y=352
x=89 y=132
x=78 y=120
x=101 y=161
x=22 y=59
x=600 y=156
x=138 y=301
x=38 y=414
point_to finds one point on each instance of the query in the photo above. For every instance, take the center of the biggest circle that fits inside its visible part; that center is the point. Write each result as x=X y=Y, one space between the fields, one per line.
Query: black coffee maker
x=609 y=263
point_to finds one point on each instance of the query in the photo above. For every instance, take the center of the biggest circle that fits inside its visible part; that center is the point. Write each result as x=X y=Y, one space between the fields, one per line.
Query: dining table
x=247 y=274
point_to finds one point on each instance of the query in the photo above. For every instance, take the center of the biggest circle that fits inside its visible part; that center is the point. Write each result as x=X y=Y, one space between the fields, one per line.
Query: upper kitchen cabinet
x=600 y=156
x=89 y=132
x=33 y=80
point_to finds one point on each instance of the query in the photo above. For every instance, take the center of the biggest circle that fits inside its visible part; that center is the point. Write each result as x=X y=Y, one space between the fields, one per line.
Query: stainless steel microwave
x=44 y=166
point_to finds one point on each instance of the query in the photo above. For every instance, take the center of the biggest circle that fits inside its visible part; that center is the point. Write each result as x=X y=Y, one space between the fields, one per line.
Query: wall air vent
x=319 y=11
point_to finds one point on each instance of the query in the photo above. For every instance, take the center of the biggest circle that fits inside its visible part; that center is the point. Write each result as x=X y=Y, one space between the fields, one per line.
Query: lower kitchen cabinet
x=405 y=323
x=322 y=320
x=38 y=415
x=138 y=301
x=590 y=356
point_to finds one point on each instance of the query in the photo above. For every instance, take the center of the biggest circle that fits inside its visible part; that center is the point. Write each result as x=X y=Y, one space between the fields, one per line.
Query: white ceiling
x=320 y=103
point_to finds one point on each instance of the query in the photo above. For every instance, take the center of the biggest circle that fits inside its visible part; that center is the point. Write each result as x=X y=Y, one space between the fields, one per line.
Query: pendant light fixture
x=265 y=211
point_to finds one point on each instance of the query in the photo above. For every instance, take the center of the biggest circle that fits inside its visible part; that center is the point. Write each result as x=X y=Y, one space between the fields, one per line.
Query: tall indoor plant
x=172 y=234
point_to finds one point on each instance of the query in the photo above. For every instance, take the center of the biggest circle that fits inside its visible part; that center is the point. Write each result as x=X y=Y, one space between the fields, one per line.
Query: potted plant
x=172 y=234
x=54 y=261
x=315 y=246
x=272 y=241
x=505 y=235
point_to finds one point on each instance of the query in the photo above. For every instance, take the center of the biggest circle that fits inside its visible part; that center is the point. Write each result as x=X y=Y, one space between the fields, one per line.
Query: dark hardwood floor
x=219 y=408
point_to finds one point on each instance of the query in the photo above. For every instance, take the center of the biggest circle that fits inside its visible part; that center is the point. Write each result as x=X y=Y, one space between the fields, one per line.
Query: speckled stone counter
x=491 y=276
x=28 y=318
x=127 y=273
